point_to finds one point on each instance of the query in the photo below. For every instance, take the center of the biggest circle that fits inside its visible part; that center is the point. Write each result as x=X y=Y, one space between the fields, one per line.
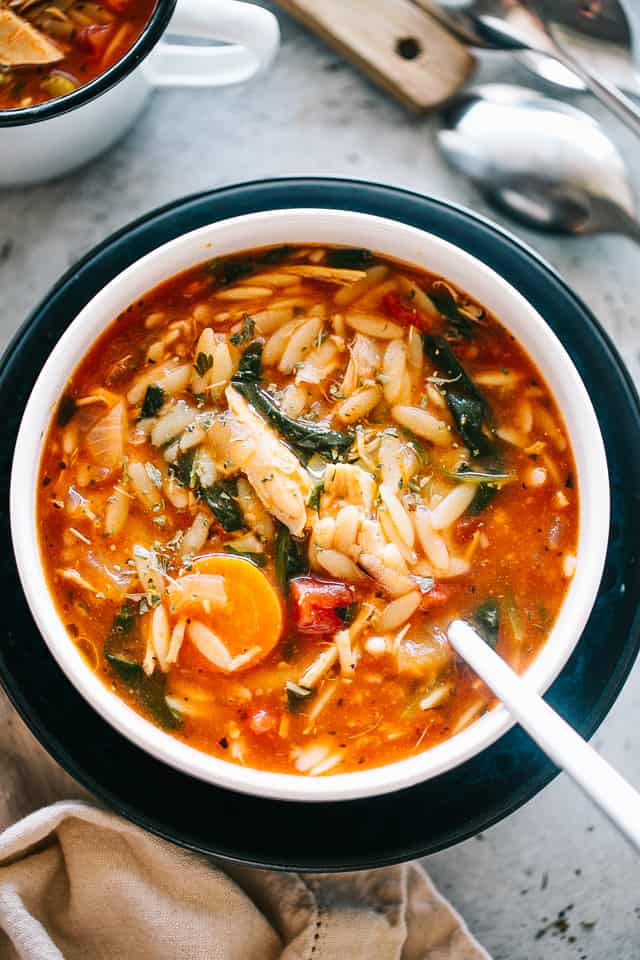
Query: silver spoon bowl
x=547 y=164
x=583 y=35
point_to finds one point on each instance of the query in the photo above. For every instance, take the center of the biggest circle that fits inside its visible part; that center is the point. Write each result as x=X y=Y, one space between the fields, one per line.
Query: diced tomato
x=466 y=528
x=94 y=38
x=400 y=308
x=315 y=602
x=262 y=722
x=439 y=594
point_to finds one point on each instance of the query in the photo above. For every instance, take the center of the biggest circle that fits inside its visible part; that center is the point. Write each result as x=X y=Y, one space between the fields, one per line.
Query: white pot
x=302 y=227
x=44 y=141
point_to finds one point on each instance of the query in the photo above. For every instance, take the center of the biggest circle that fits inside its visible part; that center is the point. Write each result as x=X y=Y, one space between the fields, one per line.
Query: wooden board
x=399 y=46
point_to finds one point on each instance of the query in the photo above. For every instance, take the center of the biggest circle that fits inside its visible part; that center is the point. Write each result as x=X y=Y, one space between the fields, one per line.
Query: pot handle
x=251 y=36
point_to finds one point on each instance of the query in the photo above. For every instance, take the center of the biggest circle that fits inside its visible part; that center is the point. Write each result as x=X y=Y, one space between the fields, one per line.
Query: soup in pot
x=49 y=48
x=272 y=483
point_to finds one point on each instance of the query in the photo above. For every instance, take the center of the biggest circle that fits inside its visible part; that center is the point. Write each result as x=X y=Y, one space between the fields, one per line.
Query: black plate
x=363 y=833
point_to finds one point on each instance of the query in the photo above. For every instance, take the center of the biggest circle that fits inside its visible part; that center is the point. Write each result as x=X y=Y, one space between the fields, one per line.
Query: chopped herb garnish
x=154 y=475
x=66 y=409
x=245 y=334
x=153 y=400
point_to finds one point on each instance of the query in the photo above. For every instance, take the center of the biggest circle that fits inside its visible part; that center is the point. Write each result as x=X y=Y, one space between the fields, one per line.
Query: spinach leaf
x=245 y=334
x=123 y=645
x=184 y=469
x=479 y=477
x=468 y=407
x=123 y=652
x=443 y=301
x=66 y=409
x=127 y=670
x=296 y=695
x=227 y=270
x=482 y=499
x=220 y=498
x=290 y=560
x=487 y=618
x=275 y=255
x=152 y=692
x=350 y=258
x=259 y=559
x=347 y=614
x=313 y=500
x=306 y=437
x=153 y=400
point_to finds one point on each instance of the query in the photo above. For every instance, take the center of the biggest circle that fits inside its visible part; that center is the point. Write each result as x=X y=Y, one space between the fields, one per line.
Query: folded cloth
x=79 y=883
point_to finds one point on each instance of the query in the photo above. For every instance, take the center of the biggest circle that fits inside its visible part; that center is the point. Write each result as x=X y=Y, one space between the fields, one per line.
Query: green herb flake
x=154 y=475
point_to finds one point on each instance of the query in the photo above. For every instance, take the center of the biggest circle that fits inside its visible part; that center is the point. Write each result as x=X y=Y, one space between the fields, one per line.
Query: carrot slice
x=251 y=618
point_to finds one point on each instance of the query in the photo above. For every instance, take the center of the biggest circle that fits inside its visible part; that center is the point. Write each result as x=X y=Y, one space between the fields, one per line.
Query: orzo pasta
x=273 y=482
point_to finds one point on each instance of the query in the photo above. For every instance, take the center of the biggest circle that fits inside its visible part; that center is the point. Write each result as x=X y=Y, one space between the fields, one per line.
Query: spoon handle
x=611 y=96
x=611 y=792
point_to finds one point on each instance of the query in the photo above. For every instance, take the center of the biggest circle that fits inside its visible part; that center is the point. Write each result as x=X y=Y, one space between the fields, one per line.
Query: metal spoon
x=547 y=164
x=599 y=781
x=548 y=27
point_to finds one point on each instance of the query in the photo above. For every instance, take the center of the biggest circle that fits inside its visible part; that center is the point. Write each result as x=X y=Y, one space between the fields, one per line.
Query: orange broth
x=325 y=679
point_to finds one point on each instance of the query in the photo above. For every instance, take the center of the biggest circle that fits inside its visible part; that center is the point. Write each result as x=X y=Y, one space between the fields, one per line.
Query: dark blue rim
x=376 y=831
x=143 y=46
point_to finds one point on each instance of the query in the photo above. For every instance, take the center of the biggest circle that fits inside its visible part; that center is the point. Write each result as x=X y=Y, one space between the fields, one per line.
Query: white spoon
x=608 y=790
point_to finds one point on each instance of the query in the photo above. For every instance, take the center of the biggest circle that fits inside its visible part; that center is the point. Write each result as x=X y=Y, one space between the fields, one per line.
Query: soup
x=272 y=483
x=48 y=48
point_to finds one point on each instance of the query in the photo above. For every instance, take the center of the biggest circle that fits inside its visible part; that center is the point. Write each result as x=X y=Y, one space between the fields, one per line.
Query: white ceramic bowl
x=48 y=139
x=387 y=237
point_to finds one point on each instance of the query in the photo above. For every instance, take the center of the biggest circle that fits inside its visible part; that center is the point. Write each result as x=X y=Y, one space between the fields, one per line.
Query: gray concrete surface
x=314 y=115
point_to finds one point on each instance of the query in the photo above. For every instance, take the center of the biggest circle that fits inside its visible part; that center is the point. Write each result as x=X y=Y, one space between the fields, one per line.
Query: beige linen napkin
x=79 y=883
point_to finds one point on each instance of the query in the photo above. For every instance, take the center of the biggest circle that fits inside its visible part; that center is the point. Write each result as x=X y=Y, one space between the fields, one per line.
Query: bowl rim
x=90 y=322
x=141 y=48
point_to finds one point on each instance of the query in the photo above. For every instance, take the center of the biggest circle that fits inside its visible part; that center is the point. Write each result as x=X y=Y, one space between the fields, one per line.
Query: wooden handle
x=401 y=48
